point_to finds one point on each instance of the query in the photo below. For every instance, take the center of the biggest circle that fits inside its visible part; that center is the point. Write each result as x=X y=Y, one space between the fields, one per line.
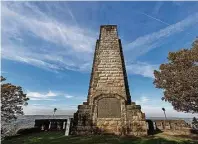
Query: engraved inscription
x=109 y=108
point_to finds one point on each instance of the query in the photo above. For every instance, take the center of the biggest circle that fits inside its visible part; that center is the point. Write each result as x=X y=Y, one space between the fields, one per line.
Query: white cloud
x=47 y=109
x=141 y=68
x=41 y=95
x=73 y=45
x=51 y=94
x=45 y=27
x=69 y=96
x=153 y=107
x=47 y=95
x=148 y=42
x=156 y=111
x=142 y=100
x=41 y=99
x=36 y=104
x=39 y=109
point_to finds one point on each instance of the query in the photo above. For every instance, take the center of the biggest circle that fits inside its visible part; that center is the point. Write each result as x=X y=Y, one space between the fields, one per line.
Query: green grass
x=59 y=138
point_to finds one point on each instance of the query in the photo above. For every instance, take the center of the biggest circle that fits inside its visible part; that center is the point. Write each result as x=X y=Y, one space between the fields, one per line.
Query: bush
x=194 y=131
x=8 y=129
x=28 y=131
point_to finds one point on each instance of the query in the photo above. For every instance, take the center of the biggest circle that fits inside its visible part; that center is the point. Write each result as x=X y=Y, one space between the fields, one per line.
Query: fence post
x=67 y=127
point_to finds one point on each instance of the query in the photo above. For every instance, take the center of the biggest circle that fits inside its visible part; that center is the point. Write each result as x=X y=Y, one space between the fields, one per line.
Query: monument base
x=134 y=124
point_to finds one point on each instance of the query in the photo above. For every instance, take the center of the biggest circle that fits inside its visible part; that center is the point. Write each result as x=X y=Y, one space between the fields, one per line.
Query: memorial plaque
x=109 y=108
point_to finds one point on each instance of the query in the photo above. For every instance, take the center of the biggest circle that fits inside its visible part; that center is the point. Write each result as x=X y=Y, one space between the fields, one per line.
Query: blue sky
x=47 y=48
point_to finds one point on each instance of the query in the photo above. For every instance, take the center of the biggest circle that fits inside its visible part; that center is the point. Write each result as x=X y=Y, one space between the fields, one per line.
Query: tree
x=195 y=123
x=179 y=79
x=12 y=100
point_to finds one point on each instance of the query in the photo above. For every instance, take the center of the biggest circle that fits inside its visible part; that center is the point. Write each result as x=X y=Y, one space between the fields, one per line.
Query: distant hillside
x=187 y=120
x=28 y=120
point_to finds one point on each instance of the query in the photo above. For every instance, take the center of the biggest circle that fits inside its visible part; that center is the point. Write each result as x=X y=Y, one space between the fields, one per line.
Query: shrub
x=28 y=131
x=194 y=131
x=8 y=129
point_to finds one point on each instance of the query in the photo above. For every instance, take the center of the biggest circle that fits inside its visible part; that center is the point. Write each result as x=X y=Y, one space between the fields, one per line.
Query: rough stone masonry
x=109 y=108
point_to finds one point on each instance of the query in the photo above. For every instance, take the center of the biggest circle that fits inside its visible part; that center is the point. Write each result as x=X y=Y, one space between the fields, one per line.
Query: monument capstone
x=109 y=108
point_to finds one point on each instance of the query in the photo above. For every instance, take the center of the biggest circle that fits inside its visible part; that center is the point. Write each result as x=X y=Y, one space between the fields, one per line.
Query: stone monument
x=109 y=108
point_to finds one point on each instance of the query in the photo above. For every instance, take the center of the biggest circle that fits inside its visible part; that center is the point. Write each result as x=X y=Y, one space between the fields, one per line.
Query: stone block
x=138 y=107
x=85 y=103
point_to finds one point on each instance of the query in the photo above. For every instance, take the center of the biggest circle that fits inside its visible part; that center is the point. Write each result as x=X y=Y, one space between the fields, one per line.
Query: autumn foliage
x=179 y=79
x=12 y=100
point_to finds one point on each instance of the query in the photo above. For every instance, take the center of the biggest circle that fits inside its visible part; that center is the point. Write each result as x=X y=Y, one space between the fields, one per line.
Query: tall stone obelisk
x=109 y=108
x=108 y=73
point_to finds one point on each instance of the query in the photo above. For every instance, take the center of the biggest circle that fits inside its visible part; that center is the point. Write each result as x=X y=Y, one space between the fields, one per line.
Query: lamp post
x=164 y=116
x=55 y=109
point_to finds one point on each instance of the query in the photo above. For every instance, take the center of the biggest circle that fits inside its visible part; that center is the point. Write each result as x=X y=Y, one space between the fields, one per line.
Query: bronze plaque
x=109 y=108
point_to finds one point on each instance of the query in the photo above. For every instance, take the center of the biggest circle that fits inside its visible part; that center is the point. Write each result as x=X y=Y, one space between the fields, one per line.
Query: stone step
x=84 y=107
x=85 y=103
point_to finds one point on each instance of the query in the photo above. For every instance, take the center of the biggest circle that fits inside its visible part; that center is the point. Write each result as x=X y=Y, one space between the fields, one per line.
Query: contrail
x=155 y=19
x=159 y=20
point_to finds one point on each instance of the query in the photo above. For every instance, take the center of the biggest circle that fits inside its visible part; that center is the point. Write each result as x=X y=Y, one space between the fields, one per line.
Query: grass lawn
x=59 y=138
